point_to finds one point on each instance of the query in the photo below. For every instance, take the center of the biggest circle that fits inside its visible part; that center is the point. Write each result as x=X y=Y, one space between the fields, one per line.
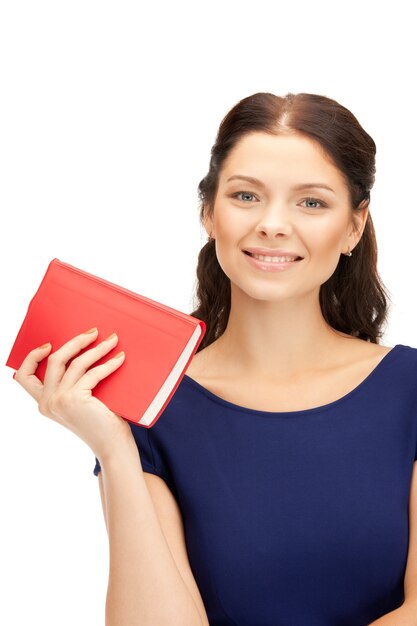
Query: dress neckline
x=324 y=407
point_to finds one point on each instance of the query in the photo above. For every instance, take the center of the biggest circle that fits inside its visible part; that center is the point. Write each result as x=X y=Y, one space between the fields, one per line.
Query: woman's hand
x=65 y=395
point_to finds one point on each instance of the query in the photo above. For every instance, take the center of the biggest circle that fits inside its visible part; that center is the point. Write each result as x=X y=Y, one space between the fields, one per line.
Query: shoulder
x=202 y=363
x=372 y=351
x=363 y=357
x=360 y=352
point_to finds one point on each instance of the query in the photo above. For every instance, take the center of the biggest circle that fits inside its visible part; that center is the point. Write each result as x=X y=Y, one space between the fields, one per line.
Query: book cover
x=159 y=341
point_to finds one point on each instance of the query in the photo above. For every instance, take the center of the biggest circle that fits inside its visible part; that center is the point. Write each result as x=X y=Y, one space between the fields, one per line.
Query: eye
x=245 y=193
x=314 y=201
x=249 y=194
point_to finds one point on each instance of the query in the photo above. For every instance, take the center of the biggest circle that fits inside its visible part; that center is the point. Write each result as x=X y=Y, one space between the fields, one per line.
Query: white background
x=108 y=113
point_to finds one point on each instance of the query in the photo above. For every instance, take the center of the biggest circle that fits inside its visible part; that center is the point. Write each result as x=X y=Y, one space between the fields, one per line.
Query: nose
x=274 y=220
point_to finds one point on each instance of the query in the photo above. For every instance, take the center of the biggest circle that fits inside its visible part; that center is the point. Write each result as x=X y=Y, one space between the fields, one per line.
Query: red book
x=159 y=341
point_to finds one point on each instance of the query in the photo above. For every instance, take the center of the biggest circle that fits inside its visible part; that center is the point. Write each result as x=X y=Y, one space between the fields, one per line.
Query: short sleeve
x=146 y=453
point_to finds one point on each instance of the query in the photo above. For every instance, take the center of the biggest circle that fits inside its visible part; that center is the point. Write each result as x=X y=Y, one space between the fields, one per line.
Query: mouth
x=273 y=259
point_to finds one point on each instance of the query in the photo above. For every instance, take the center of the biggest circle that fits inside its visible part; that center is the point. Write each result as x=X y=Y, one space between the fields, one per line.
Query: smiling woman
x=301 y=427
x=278 y=148
x=308 y=424
x=279 y=485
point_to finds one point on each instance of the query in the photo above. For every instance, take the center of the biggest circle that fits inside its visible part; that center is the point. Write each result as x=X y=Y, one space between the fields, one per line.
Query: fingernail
x=45 y=345
x=92 y=330
x=119 y=354
x=112 y=336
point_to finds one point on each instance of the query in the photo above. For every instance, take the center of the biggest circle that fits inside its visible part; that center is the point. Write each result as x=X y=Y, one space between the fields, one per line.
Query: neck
x=281 y=338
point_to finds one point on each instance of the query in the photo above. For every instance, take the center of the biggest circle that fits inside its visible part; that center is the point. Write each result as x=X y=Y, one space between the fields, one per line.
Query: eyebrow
x=256 y=181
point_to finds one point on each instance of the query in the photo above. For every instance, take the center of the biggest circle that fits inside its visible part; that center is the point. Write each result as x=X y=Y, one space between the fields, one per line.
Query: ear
x=208 y=225
x=358 y=224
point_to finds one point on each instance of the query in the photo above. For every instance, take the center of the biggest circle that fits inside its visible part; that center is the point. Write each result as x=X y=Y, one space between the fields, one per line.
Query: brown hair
x=354 y=299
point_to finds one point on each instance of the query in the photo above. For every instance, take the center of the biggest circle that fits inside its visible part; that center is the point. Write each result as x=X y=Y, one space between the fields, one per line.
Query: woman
x=278 y=487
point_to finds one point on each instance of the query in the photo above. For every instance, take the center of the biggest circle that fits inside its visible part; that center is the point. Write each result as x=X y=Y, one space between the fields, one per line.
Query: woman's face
x=276 y=213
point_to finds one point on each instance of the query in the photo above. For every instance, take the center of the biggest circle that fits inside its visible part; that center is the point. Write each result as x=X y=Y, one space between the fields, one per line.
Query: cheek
x=231 y=231
x=229 y=221
x=325 y=253
x=229 y=235
x=226 y=252
x=324 y=239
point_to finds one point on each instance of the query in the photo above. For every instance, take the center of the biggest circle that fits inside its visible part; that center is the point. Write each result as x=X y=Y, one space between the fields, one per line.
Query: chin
x=266 y=293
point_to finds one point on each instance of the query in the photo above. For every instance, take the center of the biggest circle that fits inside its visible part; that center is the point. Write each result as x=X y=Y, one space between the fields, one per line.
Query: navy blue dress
x=293 y=518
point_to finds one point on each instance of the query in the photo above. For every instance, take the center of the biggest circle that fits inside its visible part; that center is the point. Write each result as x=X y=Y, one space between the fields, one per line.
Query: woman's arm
x=405 y=615
x=145 y=586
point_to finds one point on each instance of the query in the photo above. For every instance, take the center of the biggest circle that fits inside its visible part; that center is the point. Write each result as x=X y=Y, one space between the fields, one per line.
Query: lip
x=270 y=266
x=272 y=252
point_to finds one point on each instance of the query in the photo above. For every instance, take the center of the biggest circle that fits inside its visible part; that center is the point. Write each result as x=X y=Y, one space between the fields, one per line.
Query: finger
x=57 y=361
x=98 y=373
x=25 y=375
x=80 y=364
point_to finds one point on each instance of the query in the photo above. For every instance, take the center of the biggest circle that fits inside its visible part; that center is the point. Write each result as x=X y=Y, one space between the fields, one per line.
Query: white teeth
x=273 y=259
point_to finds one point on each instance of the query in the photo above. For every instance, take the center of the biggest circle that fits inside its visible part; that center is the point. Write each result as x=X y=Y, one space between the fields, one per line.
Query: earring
x=348 y=253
